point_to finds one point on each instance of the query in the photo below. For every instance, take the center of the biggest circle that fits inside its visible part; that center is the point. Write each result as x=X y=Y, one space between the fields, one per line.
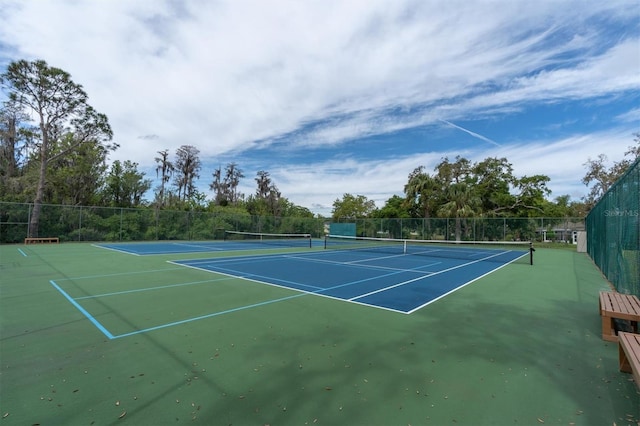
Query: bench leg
x=608 y=329
x=625 y=367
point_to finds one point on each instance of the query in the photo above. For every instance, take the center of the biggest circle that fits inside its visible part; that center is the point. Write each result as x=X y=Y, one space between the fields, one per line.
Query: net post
x=531 y=250
x=310 y=241
x=326 y=237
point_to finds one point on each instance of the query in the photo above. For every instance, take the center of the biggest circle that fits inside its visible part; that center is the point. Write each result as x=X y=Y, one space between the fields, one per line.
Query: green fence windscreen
x=346 y=229
x=613 y=232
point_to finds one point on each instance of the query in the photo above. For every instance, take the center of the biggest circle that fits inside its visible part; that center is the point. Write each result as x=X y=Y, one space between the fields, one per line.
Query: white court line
x=353 y=264
x=428 y=276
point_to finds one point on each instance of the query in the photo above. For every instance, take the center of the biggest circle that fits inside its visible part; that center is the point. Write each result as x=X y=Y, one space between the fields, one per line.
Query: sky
x=334 y=97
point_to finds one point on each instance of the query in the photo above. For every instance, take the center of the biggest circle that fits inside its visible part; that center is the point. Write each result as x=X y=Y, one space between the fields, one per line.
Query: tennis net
x=490 y=251
x=288 y=240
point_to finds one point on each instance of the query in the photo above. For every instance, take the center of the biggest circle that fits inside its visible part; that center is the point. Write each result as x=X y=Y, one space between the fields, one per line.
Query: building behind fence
x=81 y=223
x=613 y=232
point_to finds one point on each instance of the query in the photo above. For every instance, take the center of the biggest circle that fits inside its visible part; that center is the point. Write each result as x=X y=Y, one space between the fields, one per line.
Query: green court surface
x=520 y=346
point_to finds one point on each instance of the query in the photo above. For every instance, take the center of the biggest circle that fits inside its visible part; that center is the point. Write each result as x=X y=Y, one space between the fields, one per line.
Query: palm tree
x=463 y=203
x=421 y=190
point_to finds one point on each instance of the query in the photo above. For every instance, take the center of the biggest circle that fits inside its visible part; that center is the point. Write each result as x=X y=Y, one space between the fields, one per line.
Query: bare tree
x=165 y=168
x=187 y=167
x=602 y=177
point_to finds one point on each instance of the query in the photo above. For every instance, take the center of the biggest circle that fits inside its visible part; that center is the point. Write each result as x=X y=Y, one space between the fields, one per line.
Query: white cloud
x=631 y=116
x=562 y=160
x=232 y=76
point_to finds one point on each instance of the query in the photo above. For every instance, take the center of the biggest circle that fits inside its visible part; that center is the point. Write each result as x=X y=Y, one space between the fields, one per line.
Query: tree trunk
x=11 y=148
x=34 y=223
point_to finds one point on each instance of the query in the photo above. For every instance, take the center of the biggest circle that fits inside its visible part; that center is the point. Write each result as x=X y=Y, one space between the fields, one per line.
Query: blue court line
x=81 y=309
x=86 y=277
x=144 y=330
x=116 y=293
x=302 y=293
x=22 y=253
x=215 y=314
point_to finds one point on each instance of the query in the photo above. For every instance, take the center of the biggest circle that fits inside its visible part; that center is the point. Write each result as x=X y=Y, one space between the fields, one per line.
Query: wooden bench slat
x=626 y=304
x=629 y=354
x=615 y=305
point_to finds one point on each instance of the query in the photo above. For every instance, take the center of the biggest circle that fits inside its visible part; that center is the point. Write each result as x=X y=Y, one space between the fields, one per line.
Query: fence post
x=504 y=228
x=29 y=220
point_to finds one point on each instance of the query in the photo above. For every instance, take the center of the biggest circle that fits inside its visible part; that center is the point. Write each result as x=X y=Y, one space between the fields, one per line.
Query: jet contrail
x=471 y=133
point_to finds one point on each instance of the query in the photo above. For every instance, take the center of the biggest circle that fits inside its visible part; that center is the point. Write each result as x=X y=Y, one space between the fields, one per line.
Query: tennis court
x=373 y=272
x=236 y=241
x=260 y=334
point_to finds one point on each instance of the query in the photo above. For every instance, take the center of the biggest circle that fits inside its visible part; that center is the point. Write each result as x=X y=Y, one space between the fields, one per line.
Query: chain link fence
x=473 y=229
x=81 y=223
x=613 y=232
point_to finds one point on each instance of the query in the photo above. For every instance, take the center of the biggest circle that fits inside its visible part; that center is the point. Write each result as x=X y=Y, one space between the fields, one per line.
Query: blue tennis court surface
x=174 y=247
x=397 y=282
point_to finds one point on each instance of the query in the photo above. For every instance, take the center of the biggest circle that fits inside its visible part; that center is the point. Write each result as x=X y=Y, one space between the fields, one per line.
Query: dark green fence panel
x=613 y=232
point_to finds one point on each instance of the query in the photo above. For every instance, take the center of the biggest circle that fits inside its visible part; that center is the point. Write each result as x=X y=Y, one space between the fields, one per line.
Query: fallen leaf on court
x=5 y=415
x=328 y=388
x=540 y=420
x=124 y=413
x=117 y=403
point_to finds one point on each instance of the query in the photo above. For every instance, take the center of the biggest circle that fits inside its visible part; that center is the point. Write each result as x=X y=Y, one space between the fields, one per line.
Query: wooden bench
x=629 y=354
x=55 y=240
x=615 y=305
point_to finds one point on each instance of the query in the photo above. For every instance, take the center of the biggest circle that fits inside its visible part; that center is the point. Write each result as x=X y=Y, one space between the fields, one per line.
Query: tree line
x=489 y=188
x=54 y=148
